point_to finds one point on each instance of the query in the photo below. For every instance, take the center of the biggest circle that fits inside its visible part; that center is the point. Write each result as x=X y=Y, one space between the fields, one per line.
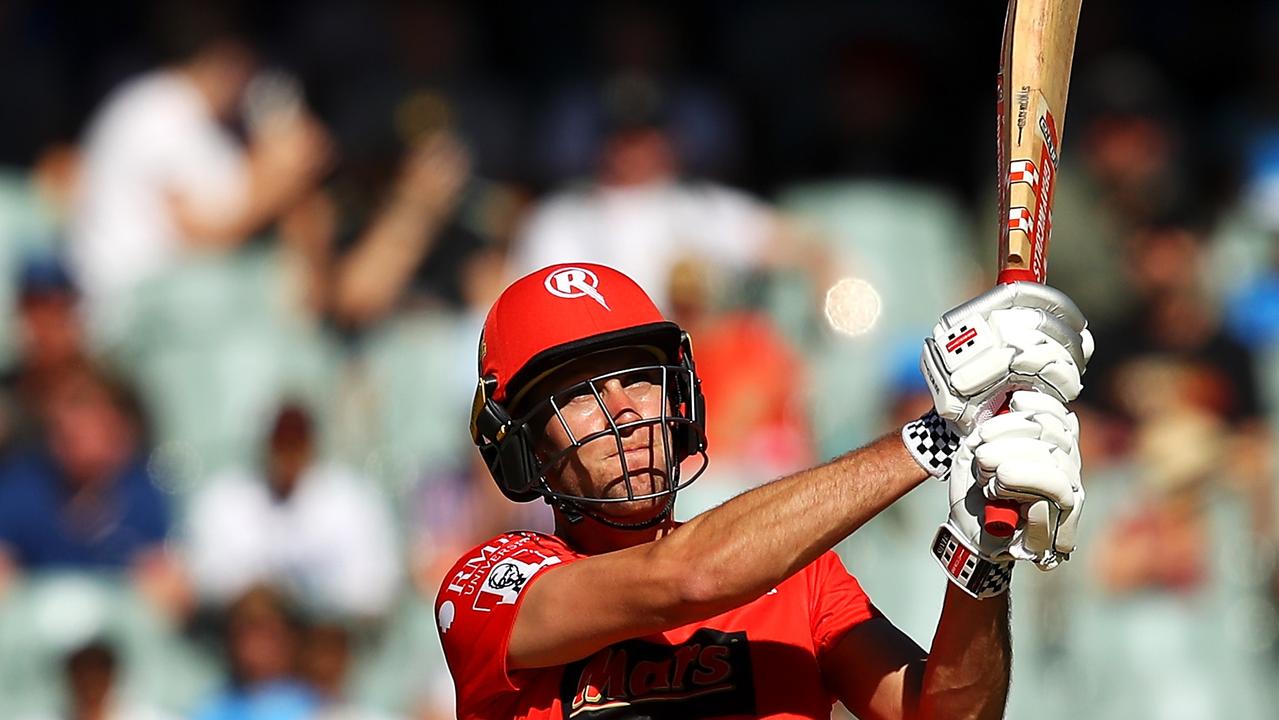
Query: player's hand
x=1030 y=455
x=1017 y=336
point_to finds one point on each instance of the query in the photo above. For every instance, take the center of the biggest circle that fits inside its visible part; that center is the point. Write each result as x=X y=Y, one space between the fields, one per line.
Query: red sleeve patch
x=477 y=605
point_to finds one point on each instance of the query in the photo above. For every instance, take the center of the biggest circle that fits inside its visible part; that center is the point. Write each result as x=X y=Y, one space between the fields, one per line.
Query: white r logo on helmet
x=575 y=282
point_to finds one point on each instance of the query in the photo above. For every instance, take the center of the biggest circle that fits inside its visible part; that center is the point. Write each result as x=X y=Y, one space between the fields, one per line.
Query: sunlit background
x=245 y=251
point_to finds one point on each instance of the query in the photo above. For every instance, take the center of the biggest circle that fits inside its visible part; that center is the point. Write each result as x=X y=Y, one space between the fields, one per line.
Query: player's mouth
x=633 y=452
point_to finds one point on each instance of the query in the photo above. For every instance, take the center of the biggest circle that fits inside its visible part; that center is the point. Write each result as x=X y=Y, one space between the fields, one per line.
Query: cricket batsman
x=590 y=400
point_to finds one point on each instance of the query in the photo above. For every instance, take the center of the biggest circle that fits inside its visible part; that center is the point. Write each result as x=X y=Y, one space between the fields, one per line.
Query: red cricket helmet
x=551 y=317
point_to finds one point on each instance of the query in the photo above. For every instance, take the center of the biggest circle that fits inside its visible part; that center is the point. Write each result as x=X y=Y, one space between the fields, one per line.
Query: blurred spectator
x=1171 y=369
x=1245 y=259
x=169 y=197
x=325 y=661
x=34 y=205
x=1170 y=352
x=1164 y=547
x=1187 y=529
x=1131 y=168
x=50 y=339
x=315 y=529
x=636 y=214
x=93 y=688
x=755 y=382
x=638 y=49
x=414 y=227
x=445 y=87
x=165 y=179
x=1252 y=313
x=83 y=496
x=424 y=131
x=261 y=649
x=325 y=665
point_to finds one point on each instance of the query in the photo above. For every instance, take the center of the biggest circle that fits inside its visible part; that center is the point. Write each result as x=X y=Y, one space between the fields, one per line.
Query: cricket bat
x=1034 y=75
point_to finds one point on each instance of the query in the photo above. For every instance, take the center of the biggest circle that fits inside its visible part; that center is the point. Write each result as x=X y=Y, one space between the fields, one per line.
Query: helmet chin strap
x=575 y=511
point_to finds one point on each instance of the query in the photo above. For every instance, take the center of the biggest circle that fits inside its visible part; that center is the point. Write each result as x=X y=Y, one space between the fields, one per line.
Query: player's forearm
x=967 y=672
x=748 y=545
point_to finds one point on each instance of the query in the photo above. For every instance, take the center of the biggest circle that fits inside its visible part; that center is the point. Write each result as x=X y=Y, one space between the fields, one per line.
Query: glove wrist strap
x=931 y=442
x=978 y=576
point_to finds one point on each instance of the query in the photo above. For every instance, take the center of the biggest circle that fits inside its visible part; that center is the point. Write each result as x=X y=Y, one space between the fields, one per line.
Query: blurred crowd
x=245 y=253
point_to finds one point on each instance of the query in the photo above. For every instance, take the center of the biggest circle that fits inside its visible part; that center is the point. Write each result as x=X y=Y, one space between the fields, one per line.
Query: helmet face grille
x=679 y=421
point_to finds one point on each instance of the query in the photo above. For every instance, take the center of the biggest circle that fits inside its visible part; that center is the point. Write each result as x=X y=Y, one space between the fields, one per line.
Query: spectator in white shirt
x=164 y=177
x=638 y=216
x=318 y=531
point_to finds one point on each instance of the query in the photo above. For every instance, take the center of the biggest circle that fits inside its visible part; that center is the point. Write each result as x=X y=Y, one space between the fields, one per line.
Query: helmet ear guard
x=507 y=446
x=689 y=438
x=507 y=450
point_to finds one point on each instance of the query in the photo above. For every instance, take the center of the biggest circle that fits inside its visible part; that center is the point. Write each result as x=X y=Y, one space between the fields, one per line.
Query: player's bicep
x=574 y=610
x=876 y=670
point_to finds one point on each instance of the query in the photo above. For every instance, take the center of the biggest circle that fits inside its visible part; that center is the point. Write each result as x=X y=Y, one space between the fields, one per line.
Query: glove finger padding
x=1047 y=410
x=1020 y=319
x=1043 y=362
x=1049 y=496
x=1031 y=337
x=1068 y=528
x=1029 y=455
x=1025 y=470
x=1040 y=528
x=1023 y=294
x=1006 y=426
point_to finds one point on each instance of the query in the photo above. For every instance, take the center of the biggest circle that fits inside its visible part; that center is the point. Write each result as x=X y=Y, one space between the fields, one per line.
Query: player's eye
x=640 y=381
x=575 y=396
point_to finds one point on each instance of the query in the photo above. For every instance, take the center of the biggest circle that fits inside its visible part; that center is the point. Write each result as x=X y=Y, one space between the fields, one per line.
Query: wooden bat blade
x=1039 y=45
x=1034 y=74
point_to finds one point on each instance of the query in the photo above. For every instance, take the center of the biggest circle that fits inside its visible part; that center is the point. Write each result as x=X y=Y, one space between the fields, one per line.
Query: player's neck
x=591 y=537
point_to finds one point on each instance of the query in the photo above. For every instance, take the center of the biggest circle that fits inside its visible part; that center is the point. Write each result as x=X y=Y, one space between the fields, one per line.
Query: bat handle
x=1002 y=516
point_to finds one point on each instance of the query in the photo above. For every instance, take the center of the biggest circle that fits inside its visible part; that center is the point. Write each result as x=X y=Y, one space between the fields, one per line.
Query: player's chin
x=649 y=485
x=636 y=511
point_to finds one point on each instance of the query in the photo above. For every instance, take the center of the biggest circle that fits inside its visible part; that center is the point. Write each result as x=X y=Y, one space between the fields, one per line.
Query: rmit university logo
x=709 y=675
x=575 y=282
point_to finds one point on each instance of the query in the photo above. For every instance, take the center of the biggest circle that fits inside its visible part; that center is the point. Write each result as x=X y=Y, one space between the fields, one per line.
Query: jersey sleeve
x=837 y=602
x=476 y=607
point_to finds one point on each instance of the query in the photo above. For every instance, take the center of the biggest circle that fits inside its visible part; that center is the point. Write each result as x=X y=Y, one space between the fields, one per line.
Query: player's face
x=596 y=470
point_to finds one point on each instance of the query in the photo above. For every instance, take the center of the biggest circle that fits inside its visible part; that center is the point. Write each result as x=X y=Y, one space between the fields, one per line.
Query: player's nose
x=617 y=401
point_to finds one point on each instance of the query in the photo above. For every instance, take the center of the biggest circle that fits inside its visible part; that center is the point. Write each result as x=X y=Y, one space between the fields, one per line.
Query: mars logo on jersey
x=709 y=675
x=575 y=282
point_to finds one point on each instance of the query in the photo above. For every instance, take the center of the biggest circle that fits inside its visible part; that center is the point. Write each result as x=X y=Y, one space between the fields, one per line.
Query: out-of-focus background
x=245 y=251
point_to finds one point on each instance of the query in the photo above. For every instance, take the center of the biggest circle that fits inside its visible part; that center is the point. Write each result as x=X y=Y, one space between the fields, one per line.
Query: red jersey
x=759 y=660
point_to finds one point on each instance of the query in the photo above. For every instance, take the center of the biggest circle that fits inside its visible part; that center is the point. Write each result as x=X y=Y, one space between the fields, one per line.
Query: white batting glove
x=1031 y=455
x=1018 y=336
